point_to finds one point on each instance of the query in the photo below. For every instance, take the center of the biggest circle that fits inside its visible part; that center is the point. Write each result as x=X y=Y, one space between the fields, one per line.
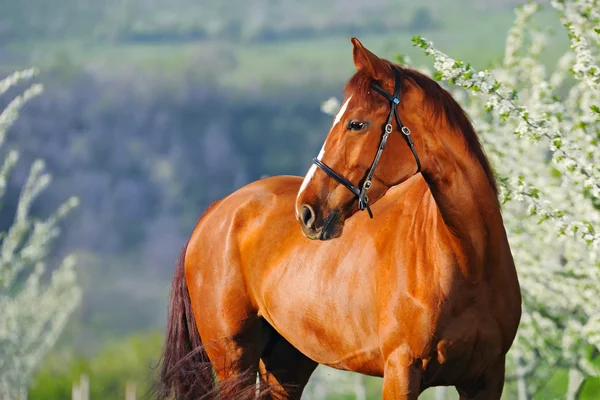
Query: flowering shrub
x=32 y=314
x=541 y=130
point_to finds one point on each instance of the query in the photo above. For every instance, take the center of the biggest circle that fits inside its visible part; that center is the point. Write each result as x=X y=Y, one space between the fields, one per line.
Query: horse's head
x=353 y=170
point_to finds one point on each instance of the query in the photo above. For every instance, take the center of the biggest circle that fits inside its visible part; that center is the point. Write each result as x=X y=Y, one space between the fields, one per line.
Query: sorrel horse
x=423 y=294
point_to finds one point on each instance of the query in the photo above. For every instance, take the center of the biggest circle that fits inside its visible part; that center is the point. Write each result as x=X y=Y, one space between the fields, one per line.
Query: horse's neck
x=466 y=201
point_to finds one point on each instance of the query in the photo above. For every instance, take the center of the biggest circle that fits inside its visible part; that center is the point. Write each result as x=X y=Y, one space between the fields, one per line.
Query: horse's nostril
x=308 y=216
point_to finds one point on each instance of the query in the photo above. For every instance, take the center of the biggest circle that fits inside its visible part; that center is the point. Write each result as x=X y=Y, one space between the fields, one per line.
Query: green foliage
x=556 y=387
x=129 y=359
x=419 y=41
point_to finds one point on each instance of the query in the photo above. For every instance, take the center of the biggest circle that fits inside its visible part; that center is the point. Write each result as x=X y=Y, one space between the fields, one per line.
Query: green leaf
x=543 y=218
x=586 y=13
x=557 y=143
x=535 y=193
x=555 y=173
x=559 y=213
x=589 y=226
x=419 y=41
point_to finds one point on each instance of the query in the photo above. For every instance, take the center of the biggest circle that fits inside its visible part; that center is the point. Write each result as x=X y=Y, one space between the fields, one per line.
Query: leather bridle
x=361 y=194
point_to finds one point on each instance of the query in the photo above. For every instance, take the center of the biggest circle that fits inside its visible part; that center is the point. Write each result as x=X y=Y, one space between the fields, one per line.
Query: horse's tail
x=186 y=371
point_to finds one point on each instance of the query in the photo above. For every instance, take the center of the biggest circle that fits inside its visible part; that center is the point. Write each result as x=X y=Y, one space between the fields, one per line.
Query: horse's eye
x=356 y=125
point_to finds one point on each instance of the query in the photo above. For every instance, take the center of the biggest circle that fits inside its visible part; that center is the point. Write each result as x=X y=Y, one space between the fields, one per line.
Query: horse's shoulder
x=260 y=197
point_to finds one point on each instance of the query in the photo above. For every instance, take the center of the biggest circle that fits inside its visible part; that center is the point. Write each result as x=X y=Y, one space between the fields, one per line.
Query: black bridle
x=363 y=200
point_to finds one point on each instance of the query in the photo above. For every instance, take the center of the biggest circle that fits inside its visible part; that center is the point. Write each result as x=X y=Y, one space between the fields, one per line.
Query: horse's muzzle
x=316 y=228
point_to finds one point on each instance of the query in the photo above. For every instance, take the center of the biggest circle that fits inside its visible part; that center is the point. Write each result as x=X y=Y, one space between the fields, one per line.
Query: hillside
x=232 y=20
x=263 y=47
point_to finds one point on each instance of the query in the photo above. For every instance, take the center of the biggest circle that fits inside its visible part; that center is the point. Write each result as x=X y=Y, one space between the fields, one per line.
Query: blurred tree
x=32 y=314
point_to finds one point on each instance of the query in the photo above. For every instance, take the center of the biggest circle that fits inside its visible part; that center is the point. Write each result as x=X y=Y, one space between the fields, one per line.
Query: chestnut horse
x=424 y=294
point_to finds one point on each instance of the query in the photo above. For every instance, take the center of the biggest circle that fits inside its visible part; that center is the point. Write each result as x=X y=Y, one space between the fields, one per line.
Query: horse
x=286 y=273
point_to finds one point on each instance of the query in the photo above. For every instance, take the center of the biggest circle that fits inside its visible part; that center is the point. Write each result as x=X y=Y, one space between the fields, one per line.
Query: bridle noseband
x=363 y=200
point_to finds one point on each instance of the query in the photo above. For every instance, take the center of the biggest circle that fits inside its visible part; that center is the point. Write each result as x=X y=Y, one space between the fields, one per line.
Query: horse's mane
x=442 y=103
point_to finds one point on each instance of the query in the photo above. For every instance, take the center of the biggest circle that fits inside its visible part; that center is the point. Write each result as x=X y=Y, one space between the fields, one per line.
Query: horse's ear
x=364 y=59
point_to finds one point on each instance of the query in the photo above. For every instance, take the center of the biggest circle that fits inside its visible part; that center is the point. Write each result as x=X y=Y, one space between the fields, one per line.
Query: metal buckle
x=388 y=128
x=367 y=185
x=405 y=130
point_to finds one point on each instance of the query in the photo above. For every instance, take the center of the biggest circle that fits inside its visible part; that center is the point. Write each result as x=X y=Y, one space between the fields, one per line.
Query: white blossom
x=545 y=151
x=330 y=106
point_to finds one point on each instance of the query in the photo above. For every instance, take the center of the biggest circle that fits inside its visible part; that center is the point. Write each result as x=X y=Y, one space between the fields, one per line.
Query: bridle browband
x=363 y=200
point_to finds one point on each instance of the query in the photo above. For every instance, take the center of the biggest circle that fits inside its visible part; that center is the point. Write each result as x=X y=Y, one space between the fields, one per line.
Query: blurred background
x=152 y=109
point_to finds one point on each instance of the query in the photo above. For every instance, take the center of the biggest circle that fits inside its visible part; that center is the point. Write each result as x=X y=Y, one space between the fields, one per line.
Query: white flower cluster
x=576 y=17
x=330 y=106
x=33 y=309
x=545 y=148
